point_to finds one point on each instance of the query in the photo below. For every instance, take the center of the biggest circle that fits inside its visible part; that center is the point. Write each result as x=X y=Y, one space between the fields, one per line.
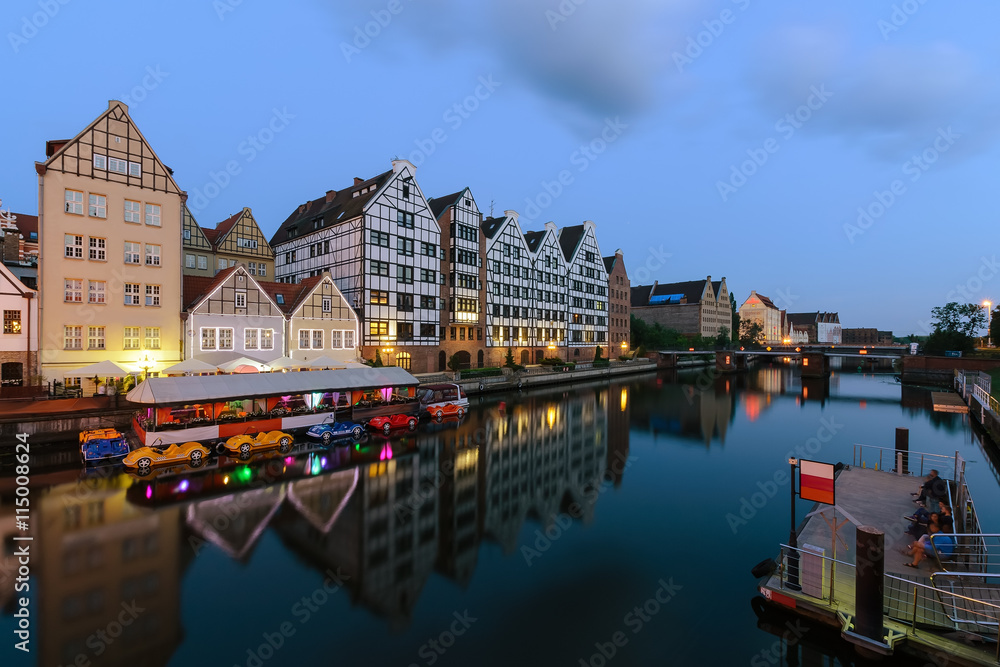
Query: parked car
x=333 y=431
x=245 y=444
x=387 y=424
x=146 y=457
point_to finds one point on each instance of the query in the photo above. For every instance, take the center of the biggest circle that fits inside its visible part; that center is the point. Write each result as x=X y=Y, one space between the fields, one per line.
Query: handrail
x=939 y=461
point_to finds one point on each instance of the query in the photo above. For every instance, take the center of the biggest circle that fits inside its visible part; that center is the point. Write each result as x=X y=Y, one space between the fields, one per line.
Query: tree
x=736 y=320
x=598 y=354
x=454 y=364
x=377 y=361
x=509 y=359
x=751 y=333
x=723 y=339
x=994 y=327
x=955 y=327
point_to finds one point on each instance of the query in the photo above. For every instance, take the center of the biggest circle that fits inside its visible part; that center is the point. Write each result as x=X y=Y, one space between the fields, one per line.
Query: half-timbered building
x=587 y=287
x=510 y=289
x=320 y=321
x=198 y=252
x=380 y=241
x=550 y=292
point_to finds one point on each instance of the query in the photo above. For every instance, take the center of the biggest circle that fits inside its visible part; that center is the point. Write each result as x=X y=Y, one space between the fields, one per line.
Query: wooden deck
x=948 y=401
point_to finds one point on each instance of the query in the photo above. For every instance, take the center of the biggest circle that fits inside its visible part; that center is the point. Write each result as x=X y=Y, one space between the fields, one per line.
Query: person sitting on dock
x=945 y=519
x=933 y=489
x=923 y=548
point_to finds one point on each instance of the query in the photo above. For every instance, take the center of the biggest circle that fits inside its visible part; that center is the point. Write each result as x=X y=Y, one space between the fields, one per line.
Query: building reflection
x=700 y=411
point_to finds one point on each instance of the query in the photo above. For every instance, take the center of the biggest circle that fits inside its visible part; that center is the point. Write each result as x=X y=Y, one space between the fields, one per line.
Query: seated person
x=933 y=488
x=923 y=548
x=945 y=519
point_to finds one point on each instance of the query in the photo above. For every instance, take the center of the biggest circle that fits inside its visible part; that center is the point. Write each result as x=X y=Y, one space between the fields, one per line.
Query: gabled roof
x=689 y=291
x=491 y=226
x=639 y=295
x=333 y=208
x=305 y=289
x=440 y=204
x=12 y=282
x=534 y=240
x=195 y=288
x=569 y=240
x=609 y=263
x=802 y=319
x=26 y=225
x=226 y=225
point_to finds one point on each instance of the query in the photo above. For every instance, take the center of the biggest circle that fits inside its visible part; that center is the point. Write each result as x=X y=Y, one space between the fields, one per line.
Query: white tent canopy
x=325 y=361
x=218 y=388
x=101 y=369
x=190 y=366
x=232 y=365
x=283 y=362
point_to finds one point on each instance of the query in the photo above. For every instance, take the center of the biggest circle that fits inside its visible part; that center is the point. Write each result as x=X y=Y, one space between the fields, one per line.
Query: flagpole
x=793 y=556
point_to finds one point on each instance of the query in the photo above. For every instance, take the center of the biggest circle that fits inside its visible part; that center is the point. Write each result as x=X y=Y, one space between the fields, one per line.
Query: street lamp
x=989 y=335
x=146 y=362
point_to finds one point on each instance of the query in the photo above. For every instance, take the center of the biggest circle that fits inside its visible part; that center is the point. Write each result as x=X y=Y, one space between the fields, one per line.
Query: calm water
x=541 y=530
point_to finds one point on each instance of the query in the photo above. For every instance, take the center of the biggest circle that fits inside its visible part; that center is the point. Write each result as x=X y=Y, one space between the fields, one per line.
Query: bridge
x=815 y=357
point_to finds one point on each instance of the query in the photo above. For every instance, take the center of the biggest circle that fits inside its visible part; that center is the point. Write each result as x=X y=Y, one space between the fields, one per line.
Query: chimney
x=619 y=252
x=398 y=165
x=358 y=181
x=302 y=207
x=330 y=194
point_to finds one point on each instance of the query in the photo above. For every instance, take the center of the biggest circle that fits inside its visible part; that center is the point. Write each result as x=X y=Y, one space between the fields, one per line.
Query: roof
x=211 y=234
x=27 y=225
x=226 y=225
x=490 y=226
x=343 y=206
x=292 y=294
x=609 y=263
x=440 y=204
x=802 y=319
x=217 y=388
x=640 y=295
x=196 y=287
x=764 y=300
x=534 y=240
x=569 y=239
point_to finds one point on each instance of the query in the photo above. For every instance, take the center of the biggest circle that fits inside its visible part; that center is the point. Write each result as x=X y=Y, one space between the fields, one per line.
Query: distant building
x=236 y=239
x=619 y=303
x=19 y=343
x=19 y=245
x=691 y=308
x=866 y=336
x=816 y=327
x=758 y=308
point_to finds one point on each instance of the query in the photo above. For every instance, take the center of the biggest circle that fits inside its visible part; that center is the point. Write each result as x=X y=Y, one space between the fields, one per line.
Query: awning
x=101 y=369
x=190 y=366
x=218 y=388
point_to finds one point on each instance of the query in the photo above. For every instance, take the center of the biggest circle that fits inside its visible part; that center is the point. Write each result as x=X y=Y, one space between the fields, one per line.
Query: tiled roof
x=802 y=319
x=211 y=234
x=342 y=207
x=26 y=224
x=490 y=226
x=305 y=287
x=440 y=204
x=609 y=263
x=691 y=289
x=196 y=287
x=226 y=225
x=534 y=240
x=569 y=239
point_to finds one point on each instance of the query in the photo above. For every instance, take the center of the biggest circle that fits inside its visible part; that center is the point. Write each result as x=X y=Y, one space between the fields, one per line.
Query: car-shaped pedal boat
x=245 y=444
x=329 y=432
x=102 y=445
x=146 y=457
x=387 y=424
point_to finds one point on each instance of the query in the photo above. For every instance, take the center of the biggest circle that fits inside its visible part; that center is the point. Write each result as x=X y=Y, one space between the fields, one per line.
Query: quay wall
x=941 y=370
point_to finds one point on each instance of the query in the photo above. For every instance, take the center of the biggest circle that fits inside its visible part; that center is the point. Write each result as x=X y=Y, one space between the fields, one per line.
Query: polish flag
x=816 y=482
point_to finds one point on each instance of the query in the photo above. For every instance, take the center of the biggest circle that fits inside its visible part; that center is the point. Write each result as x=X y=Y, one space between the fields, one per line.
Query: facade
x=235 y=315
x=619 y=304
x=587 y=283
x=380 y=242
x=19 y=245
x=110 y=282
x=695 y=307
x=758 y=308
x=817 y=327
x=865 y=336
x=236 y=239
x=463 y=289
x=19 y=343
x=552 y=304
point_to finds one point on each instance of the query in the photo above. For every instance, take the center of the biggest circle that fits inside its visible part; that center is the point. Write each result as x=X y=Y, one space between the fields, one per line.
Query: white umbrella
x=190 y=366
x=239 y=362
x=325 y=362
x=101 y=369
x=283 y=362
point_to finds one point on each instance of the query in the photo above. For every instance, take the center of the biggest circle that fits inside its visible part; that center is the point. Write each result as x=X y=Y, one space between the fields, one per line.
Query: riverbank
x=533 y=376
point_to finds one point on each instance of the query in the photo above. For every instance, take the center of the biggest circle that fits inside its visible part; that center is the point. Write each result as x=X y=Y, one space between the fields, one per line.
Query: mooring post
x=903 y=447
x=869 y=582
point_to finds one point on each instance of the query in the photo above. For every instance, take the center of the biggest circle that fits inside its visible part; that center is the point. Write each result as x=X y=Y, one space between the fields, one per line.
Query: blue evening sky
x=690 y=169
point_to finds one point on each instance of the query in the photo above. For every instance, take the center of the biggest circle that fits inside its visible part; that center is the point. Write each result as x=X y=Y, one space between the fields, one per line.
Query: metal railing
x=971 y=553
x=918 y=463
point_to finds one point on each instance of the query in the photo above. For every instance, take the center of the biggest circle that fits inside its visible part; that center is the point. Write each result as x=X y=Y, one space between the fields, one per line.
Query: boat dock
x=951 y=606
x=948 y=401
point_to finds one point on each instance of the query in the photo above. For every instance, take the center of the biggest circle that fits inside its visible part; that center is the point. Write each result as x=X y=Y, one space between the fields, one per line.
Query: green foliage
x=473 y=373
x=994 y=328
x=751 y=334
x=955 y=327
x=377 y=361
x=602 y=363
x=723 y=339
x=509 y=359
x=454 y=364
x=736 y=320
x=658 y=337
x=598 y=354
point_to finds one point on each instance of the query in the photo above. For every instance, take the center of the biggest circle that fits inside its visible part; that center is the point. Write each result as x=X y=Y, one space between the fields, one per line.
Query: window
x=404 y=246
x=153 y=215
x=72 y=290
x=131 y=338
x=131 y=294
x=132 y=252
x=310 y=339
x=406 y=195
x=132 y=209
x=335 y=340
x=189 y=261
x=428 y=302
x=208 y=339
x=253 y=268
x=225 y=339
x=404 y=274
x=404 y=331
x=98 y=206
x=267 y=339
x=404 y=219
x=379 y=239
x=74 y=202
x=152 y=295
x=428 y=249
x=222 y=265
x=246 y=243
x=378 y=328
x=250 y=339
x=379 y=297
x=74 y=246
x=152 y=254
x=96 y=291
x=12 y=321
x=380 y=268
x=261 y=269
x=404 y=302
x=100 y=161
x=427 y=276
x=241 y=299
x=72 y=338
x=349 y=339
x=95 y=338
x=98 y=251
x=328 y=306
x=120 y=166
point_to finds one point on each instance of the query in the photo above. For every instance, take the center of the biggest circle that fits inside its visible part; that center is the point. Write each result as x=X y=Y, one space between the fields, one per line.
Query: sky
x=832 y=156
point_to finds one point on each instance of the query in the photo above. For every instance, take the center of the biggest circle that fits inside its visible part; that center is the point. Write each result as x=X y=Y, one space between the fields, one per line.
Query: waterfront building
x=109 y=212
x=695 y=307
x=587 y=287
x=236 y=315
x=819 y=327
x=865 y=336
x=19 y=343
x=510 y=290
x=619 y=304
x=464 y=280
x=19 y=245
x=551 y=303
x=758 y=308
x=236 y=239
x=380 y=242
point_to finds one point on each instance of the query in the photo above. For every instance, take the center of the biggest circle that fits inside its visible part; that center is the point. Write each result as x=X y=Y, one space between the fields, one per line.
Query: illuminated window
x=208 y=339
x=131 y=338
x=12 y=321
x=72 y=337
x=152 y=338
x=95 y=338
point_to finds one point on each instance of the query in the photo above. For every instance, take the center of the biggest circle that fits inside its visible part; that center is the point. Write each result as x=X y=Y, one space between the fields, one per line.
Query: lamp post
x=989 y=335
x=145 y=363
x=624 y=347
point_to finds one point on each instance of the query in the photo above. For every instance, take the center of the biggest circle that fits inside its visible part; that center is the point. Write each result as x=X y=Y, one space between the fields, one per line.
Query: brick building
x=619 y=304
x=695 y=307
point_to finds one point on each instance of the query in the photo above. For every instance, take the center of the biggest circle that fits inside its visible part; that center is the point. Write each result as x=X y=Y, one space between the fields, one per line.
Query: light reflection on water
x=547 y=516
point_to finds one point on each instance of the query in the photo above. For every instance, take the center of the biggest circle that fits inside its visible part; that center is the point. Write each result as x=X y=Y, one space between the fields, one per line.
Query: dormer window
x=280 y=299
